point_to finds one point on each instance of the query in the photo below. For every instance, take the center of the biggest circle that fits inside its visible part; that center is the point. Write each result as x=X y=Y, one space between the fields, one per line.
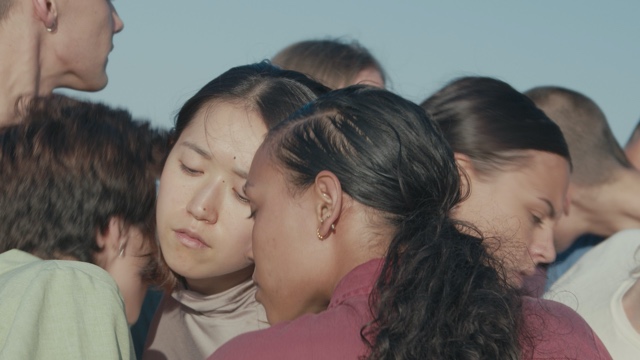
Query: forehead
x=544 y=175
x=264 y=172
x=226 y=127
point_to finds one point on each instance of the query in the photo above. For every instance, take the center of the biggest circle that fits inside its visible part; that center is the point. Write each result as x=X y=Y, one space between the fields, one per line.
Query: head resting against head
x=597 y=156
x=262 y=89
x=391 y=160
x=333 y=62
x=632 y=149
x=506 y=147
x=76 y=184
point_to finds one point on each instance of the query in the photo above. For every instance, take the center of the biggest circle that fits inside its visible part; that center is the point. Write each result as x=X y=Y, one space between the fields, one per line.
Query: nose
x=118 y=24
x=543 y=250
x=203 y=206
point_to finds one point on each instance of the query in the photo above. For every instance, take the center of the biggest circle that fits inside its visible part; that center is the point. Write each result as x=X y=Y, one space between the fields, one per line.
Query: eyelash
x=189 y=171
x=242 y=198
x=536 y=220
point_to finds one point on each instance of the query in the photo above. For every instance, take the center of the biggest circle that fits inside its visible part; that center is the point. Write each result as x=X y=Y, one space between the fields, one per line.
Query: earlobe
x=114 y=238
x=46 y=11
x=328 y=195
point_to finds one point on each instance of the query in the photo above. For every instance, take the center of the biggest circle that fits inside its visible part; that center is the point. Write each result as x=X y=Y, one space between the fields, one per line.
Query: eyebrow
x=200 y=151
x=552 y=210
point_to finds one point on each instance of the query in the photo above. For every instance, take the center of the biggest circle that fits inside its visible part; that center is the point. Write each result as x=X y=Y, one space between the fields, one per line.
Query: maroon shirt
x=553 y=330
x=331 y=334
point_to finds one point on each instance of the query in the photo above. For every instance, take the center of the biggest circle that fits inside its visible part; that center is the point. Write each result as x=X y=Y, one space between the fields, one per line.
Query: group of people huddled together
x=298 y=210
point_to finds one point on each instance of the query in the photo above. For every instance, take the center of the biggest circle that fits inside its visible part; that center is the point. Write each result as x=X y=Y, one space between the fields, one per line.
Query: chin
x=91 y=83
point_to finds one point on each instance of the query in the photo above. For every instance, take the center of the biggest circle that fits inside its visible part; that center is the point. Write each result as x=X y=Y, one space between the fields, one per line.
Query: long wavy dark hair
x=439 y=294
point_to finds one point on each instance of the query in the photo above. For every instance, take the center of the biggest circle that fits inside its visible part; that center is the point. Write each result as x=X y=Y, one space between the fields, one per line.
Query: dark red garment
x=554 y=331
x=331 y=334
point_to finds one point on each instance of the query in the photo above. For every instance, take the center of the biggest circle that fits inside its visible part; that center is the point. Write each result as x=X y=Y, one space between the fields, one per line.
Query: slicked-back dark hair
x=492 y=123
x=67 y=169
x=333 y=62
x=597 y=156
x=271 y=92
x=439 y=295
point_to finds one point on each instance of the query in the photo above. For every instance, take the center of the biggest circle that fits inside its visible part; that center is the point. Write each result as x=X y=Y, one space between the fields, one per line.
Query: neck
x=606 y=209
x=358 y=243
x=21 y=69
x=219 y=284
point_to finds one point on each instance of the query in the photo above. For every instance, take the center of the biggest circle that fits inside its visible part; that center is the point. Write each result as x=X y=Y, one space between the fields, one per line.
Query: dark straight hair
x=440 y=295
x=271 y=92
x=492 y=123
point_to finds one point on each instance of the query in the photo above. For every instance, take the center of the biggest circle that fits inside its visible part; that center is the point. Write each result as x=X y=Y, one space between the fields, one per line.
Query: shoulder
x=329 y=333
x=553 y=329
x=72 y=274
x=66 y=309
x=605 y=265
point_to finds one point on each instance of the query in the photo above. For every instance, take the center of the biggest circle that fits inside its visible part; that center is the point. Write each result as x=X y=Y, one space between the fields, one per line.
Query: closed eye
x=189 y=171
x=536 y=219
x=241 y=198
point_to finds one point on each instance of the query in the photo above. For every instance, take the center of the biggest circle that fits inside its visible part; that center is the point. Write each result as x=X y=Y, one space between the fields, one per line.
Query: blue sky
x=169 y=49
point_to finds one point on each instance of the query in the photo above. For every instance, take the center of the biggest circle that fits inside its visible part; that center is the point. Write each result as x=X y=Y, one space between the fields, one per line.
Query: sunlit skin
x=290 y=272
x=123 y=257
x=632 y=150
x=296 y=272
x=517 y=209
x=49 y=44
x=204 y=228
x=82 y=40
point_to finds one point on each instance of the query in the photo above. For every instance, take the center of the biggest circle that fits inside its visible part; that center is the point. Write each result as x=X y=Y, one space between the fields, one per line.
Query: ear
x=568 y=198
x=465 y=169
x=47 y=12
x=328 y=196
x=113 y=240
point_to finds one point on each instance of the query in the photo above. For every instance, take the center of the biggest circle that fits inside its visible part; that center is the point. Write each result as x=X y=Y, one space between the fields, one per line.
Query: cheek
x=172 y=193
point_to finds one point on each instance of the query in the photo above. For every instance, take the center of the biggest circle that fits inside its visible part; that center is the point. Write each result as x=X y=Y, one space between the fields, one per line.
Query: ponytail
x=439 y=296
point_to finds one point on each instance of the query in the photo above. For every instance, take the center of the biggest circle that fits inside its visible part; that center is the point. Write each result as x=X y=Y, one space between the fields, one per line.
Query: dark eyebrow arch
x=200 y=151
x=552 y=210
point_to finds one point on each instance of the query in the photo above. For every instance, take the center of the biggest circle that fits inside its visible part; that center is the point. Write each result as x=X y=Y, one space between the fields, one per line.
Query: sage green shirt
x=57 y=309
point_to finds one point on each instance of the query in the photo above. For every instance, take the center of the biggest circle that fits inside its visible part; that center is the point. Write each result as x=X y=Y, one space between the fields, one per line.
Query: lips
x=190 y=239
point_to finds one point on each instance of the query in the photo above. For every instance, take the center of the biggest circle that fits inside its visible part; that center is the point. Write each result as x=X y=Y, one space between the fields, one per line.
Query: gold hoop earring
x=319 y=236
x=52 y=27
